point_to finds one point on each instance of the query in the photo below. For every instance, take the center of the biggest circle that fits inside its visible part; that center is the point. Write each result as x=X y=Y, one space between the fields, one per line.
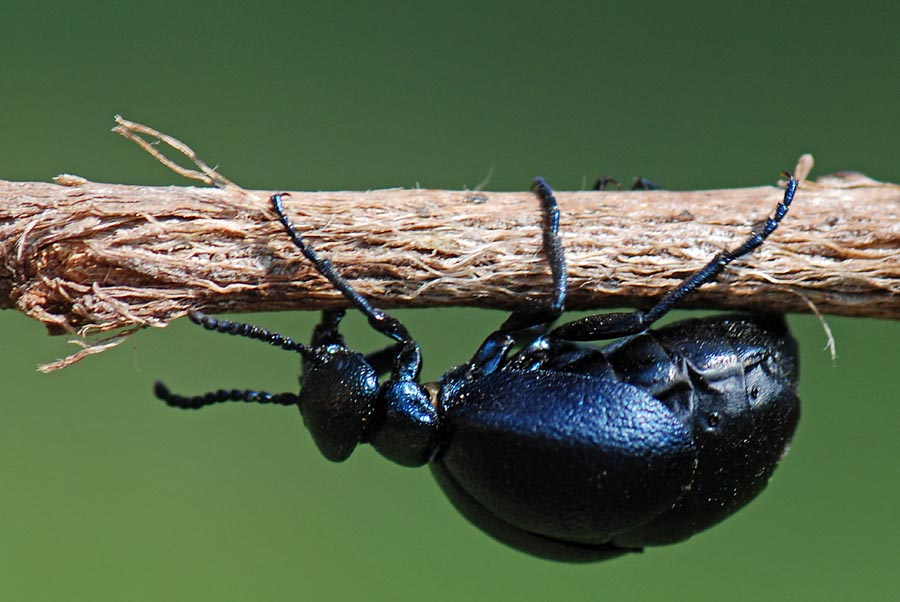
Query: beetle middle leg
x=531 y=313
x=542 y=311
x=327 y=333
x=618 y=324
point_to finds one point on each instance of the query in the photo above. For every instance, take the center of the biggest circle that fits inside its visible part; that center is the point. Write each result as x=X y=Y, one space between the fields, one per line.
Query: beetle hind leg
x=612 y=325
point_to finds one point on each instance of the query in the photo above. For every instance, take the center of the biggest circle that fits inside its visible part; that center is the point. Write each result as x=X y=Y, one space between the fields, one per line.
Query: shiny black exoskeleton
x=560 y=449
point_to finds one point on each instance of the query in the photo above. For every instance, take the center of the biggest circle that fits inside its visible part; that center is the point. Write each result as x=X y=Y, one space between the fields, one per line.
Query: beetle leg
x=639 y=183
x=642 y=183
x=383 y=360
x=608 y=326
x=326 y=331
x=408 y=361
x=539 y=312
x=603 y=182
x=531 y=314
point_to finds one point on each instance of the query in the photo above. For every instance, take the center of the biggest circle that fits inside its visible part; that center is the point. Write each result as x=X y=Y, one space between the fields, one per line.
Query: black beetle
x=560 y=449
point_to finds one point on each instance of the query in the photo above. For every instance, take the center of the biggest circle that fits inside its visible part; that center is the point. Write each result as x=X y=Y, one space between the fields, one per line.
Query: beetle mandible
x=557 y=448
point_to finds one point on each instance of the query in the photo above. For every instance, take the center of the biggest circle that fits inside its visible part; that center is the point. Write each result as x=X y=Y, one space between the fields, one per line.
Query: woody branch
x=88 y=258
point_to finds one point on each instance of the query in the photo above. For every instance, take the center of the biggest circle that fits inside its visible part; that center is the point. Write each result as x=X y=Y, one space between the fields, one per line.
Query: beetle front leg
x=409 y=358
x=326 y=331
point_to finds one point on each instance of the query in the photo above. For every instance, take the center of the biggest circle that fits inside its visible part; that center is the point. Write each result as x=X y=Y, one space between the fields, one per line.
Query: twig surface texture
x=87 y=258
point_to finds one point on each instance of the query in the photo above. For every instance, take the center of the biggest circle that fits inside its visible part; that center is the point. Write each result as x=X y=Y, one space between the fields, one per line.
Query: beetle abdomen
x=565 y=456
x=732 y=380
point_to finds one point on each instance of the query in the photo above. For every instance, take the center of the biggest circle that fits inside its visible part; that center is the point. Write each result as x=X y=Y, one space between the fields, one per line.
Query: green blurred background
x=108 y=495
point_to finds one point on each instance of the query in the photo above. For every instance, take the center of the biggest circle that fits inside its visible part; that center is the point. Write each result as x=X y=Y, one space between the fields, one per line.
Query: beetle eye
x=713 y=419
x=754 y=393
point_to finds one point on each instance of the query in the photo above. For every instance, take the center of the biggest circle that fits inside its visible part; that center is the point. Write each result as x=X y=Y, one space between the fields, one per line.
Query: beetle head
x=338 y=391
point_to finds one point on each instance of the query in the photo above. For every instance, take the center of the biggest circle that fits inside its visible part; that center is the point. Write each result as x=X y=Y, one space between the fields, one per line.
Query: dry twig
x=91 y=258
